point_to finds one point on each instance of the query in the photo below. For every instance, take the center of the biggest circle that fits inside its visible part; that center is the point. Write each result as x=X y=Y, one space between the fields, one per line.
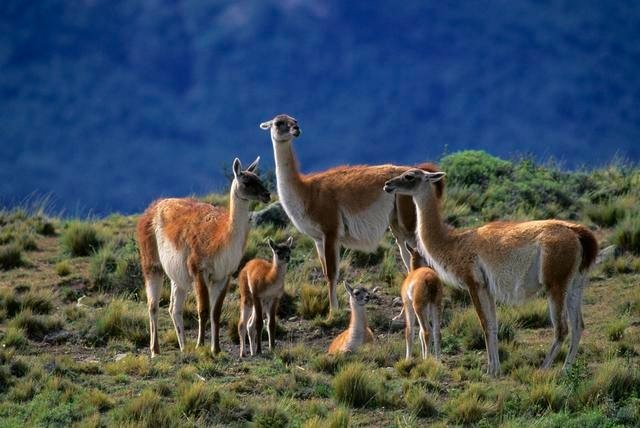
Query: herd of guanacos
x=199 y=246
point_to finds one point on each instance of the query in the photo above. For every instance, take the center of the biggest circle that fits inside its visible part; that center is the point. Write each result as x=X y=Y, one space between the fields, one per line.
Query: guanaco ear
x=289 y=242
x=237 y=167
x=434 y=176
x=266 y=125
x=409 y=247
x=271 y=244
x=253 y=165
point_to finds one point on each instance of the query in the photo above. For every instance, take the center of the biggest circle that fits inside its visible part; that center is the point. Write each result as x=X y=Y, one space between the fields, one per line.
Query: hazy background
x=107 y=104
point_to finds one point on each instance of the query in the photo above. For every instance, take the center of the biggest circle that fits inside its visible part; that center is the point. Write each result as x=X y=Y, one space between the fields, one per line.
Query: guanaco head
x=283 y=128
x=414 y=181
x=416 y=259
x=249 y=186
x=282 y=251
x=358 y=295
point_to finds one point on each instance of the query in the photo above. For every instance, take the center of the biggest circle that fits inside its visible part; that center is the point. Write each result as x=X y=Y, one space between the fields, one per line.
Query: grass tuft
x=81 y=239
x=122 y=319
x=627 y=234
x=63 y=268
x=614 y=380
x=199 y=400
x=356 y=386
x=35 y=327
x=10 y=257
x=420 y=403
x=313 y=302
x=271 y=416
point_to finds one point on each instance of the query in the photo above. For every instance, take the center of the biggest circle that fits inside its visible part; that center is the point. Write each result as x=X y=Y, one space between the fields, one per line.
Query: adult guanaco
x=343 y=206
x=507 y=261
x=421 y=294
x=358 y=332
x=197 y=245
x=261 y=286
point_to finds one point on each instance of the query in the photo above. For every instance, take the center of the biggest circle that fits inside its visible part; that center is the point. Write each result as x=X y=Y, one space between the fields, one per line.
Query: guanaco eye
x=410 y=178
x=279 y=123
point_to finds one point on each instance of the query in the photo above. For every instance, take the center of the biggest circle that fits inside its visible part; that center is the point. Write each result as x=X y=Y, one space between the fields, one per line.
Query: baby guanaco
x=261 y=285
x=358 y=332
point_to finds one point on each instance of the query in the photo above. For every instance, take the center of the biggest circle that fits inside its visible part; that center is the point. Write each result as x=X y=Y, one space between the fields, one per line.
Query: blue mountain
x=108 y=104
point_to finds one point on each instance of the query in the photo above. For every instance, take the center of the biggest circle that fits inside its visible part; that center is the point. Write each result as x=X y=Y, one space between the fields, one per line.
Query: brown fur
x=566 y=248
x=355 y=188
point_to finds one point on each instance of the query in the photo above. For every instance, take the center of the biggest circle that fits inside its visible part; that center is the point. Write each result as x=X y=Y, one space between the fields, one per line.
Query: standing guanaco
x=261 y=286
x=358 y=332
x=422 y=299
x=344 y=206
x=197 y=245
x=508 y=261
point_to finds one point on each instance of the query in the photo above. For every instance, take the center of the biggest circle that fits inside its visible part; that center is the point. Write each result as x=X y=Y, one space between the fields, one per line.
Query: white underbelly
x=364 y=230
x=514 y=279
x=174 y=262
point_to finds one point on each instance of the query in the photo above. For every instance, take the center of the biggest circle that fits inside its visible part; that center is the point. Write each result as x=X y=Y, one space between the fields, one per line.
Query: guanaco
x=422 y=299
x=197 y=245
x=261 y=286
x=343 y=206
x=358 y=332
x=508 y=261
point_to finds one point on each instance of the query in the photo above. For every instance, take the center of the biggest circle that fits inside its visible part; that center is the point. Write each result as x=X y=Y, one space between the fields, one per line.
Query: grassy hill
x=74 y=328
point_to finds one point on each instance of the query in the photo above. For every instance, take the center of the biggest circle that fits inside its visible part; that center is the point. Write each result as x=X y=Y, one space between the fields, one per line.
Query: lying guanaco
x=358 y=332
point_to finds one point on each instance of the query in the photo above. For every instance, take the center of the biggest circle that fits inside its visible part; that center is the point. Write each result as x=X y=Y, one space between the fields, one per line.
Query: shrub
x=339 y=418
x=470 y=406
x=131 y=365
x=36 y=327
x=356 y=386
x=23 y=391
x=14 y=338
x=313 y=301
x=546 y=395
x=62 y=268
x=10 y=302
x=10 y=257
x=420 y=403
x=122 y=319
x=147 y=409
x=616 y=328
x=81 y=239
x=606 y=214
x=627 y=234
x=40 y=302
x=473 y=168
x=199 y=400
x=99 y=399
x=615 y=380
x=271 y=416
x=533 y=314
x=116 y=268
x=26 y=241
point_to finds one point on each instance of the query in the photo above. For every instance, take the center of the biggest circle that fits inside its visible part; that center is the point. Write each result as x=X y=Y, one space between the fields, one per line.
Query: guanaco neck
x=432 y=230
x=238 y=215
x=278 y=269
x=287 y=172
x=358 y=323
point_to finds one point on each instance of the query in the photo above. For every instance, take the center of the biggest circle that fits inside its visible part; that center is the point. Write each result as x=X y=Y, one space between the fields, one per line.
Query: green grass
x=354 y=385
x=10 y=257
x=81 y=239
x=627 y=234
x=76 y=380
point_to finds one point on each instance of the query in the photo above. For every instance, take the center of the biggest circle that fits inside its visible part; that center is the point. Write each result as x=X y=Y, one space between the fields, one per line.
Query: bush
x=533 y=314
x=122 y=319
x=627 y=234
x=356 y=386
x=339 y=418
x=607 y=214
x=313 y=301
x=10 y=302
x=474 y=168
x=420 y=403
x=40 y=302
x=199 y=400
x=116 y=268
x=615 y=380
x=429 y=368
x=147 y=410
x=616 y=328
x=131 y=365
x=271 y=416
x=81 y=239
x=471 y=405
x=36 y=327
x=546 y=395
x=10 y=257
x=63 y=268
x=14 y=338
